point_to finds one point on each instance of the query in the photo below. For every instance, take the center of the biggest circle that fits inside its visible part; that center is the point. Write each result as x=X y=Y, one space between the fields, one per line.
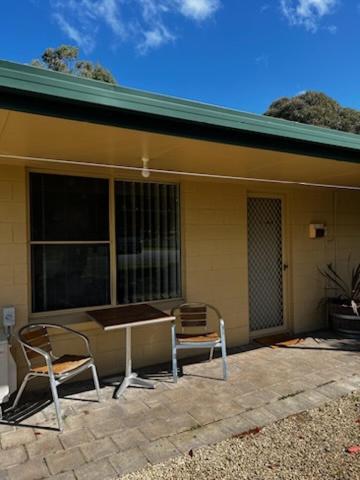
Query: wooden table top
x=128 y=316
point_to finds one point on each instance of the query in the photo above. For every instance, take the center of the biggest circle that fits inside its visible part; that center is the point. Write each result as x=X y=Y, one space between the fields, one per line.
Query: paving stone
x=215 y=432
x=354 y=380
x=4 y=475
x=12 y=456
x=44 y=445
x=133 y=407
x=168 y=426
x=100 y=470
x=187 y=441
x=97 y=449
x=74 y=422
x=34 y=469
x=132 y=421
x=260 y=416
x=129 y=438
x=128 y=461
x=6 y=428
x=75 y=438
x=296 y=404
x=104 y=429
x=206 y=413
x=236 y=425
x=159 y=411
x=64 y=461
x=335 y=390
x=315 y=397
x=290 y=388
x=159 y=451
x=64 y=476
x=279 y=409
x=254 y=399
x=17 y=437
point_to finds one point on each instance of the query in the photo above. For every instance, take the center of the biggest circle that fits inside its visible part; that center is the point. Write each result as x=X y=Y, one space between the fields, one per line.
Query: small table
x=128 y=317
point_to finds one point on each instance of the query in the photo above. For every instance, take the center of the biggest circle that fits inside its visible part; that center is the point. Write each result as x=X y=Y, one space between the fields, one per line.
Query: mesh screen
x=265 y=263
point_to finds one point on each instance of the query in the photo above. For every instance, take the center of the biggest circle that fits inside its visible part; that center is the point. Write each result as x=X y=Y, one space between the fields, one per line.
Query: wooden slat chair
x=193 y=319
x=36 y=345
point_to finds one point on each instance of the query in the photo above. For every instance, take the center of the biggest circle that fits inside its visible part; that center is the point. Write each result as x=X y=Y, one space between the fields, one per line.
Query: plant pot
x=344 y=321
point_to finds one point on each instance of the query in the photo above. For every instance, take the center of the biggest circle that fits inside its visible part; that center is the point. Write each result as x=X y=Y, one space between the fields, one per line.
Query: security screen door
x=265 y=251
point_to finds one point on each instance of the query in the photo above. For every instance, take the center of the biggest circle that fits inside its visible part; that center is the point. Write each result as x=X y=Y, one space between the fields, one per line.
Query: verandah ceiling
x=30 y=135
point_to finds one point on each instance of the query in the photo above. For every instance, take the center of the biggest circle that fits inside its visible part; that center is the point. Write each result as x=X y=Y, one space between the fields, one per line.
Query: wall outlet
x=9 y=316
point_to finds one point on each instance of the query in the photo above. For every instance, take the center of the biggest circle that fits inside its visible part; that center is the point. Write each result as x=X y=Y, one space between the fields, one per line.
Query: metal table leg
x=131 y=379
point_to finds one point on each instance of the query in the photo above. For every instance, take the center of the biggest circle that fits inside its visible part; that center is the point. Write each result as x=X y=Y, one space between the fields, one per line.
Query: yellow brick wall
x=214 y=231
x=13 y=246
x=215 y=252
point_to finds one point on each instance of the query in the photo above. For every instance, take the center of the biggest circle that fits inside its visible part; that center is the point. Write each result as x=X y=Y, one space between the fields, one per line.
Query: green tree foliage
x=316 y=108
x=66 y=59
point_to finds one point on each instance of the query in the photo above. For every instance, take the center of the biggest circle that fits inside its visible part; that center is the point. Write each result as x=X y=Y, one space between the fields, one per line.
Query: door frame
x=285 y=261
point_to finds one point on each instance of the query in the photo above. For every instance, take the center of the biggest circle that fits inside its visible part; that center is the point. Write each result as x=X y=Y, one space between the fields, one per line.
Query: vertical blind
x=147 y=241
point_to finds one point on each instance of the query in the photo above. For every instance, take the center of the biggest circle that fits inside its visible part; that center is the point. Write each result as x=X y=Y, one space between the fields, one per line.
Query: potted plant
x=344 y=309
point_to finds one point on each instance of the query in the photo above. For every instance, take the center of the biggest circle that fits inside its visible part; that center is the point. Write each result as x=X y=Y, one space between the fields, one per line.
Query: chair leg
x=20 y=391
x=211 y=354
x=96 y=381
x=223 y=352
x=173 y=350
x=174 y=365
x=56 y=403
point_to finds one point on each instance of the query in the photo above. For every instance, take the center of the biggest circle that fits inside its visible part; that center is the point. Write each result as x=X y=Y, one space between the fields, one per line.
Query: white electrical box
x=9 y=316
x=7 y=372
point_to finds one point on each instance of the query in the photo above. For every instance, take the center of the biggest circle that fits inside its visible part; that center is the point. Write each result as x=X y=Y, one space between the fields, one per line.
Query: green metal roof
x=33 y=83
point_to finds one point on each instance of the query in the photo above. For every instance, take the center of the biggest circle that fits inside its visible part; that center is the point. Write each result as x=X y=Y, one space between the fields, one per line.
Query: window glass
x=69 y=276
x=68 y=208
x=70 y=259
x=147 y=241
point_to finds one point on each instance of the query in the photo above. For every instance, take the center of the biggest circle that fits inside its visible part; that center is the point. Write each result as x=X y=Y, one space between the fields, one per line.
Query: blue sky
x=236 y=53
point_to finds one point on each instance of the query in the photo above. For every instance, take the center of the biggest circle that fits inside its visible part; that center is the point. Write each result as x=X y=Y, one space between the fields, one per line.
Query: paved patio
x=107 y=440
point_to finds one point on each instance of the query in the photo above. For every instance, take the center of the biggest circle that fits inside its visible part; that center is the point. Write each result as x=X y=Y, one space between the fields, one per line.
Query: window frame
x=111 y=242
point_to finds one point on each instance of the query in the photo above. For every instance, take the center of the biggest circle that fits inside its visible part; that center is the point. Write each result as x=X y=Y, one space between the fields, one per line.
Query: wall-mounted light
x=145 y=172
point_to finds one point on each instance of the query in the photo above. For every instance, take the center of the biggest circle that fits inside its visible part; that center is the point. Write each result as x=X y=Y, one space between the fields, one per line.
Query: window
x=70 y=257
x=147 y=241
x=71 y=263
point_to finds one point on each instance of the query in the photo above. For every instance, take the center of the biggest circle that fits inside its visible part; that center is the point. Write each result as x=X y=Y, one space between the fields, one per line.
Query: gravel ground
x=311 y=445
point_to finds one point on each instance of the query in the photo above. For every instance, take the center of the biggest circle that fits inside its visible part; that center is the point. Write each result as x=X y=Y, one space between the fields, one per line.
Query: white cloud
x=84 y=41
x=154 y=39
x=307 y=13
x=198 y=9
x=332 y=29
x=142 y=22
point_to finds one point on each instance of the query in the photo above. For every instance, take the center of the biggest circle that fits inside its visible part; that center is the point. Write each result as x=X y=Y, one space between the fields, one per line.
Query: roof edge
x=34 y=81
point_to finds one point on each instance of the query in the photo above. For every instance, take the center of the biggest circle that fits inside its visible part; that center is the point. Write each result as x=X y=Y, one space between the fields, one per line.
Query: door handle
x=285 y=267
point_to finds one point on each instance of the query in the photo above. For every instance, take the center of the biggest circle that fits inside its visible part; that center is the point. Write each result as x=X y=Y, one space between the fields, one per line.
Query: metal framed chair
x=193 y=318
x=36 y=345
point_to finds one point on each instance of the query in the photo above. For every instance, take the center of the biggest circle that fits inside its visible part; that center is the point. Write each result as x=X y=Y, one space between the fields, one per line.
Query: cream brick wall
x=307 y=255
x=13 y=246
x=214 y=230
x=215 y=252
x=13 y=249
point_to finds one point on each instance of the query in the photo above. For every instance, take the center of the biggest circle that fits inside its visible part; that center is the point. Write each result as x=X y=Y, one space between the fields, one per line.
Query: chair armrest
x=25 y=346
